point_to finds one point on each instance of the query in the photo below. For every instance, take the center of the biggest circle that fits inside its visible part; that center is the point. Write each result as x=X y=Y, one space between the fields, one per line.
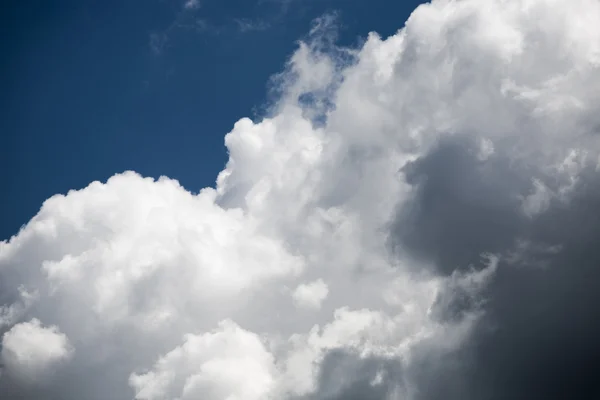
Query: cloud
x=229 y=363
x=310 y=295
x=158 y=41
x=247 y=25
x=430 y=196
x=191 y=4
x=186 y=18
x=30 y=351
x=189 y=18
x=537 y=336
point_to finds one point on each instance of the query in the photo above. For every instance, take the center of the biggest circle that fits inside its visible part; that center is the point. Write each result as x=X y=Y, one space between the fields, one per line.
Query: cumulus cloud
x=30 y=350
x=230 y=363
x=415 y=219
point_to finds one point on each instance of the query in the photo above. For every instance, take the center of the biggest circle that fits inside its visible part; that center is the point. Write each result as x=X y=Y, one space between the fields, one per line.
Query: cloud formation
x=30 y=350
x=415 y=219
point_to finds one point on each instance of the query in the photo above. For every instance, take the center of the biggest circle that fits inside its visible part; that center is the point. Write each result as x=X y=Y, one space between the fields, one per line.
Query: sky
x=276 y=204
x=93 y=88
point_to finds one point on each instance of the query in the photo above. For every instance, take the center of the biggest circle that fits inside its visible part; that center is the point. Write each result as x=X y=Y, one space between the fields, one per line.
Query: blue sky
x=94 y=88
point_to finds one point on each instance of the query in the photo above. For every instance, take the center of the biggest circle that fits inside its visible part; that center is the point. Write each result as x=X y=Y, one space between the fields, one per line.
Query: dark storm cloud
x=539 y=337
x=462 y=206
x=539 y=334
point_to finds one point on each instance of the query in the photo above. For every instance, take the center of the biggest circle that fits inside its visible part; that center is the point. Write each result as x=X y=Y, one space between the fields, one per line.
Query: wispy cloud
x=185 y=18
x=248 y=25
x=158 y=41
x=191 y=4
x=190 y=18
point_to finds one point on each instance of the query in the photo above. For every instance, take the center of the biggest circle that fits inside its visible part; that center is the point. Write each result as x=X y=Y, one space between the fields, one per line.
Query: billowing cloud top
x=417 y=218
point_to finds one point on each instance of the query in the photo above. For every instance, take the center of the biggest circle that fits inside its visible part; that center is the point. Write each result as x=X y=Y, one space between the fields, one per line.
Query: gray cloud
x=462 y=206
x=539 y=335
x=347 y=376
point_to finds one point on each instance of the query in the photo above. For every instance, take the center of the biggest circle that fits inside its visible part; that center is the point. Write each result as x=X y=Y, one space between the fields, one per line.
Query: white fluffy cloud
x=30 y=351
x=229 y=363
x=165 y=294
